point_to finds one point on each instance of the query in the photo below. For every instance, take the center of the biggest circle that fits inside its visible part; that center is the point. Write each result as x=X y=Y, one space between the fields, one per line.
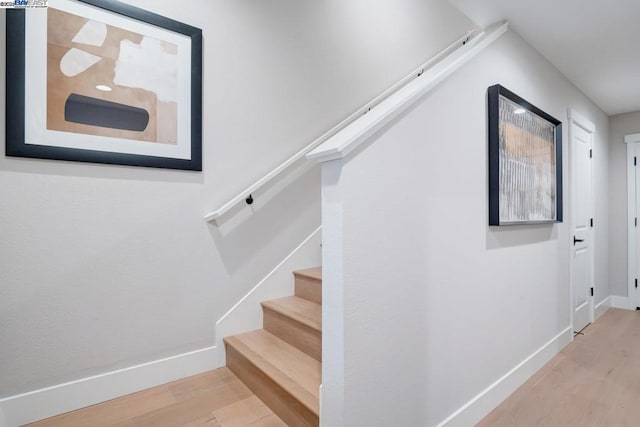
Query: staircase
x=281 y=363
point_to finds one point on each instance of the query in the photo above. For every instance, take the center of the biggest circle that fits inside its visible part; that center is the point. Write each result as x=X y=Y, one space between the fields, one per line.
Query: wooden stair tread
x=296 y=372
x=314 y=273
x=299 y=309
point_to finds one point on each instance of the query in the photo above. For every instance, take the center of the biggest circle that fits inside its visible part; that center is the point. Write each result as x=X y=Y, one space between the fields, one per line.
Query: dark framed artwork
x=105 y=82
x=525 y=161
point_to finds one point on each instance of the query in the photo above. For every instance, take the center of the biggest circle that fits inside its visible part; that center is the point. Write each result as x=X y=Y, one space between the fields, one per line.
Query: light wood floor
x=212 y=399
x=594 y=381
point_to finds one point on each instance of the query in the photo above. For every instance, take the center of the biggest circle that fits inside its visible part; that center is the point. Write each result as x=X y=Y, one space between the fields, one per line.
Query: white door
x=633 y=218
x=633 y=201
x=634 y=291
x=582 y=224
x=633 y=204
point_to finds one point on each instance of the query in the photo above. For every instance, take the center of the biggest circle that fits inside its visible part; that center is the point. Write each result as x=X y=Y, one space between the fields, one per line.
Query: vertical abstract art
x=525 y=162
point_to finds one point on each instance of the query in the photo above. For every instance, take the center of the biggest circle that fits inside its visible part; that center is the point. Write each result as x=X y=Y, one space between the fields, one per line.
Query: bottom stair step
x=286 y=379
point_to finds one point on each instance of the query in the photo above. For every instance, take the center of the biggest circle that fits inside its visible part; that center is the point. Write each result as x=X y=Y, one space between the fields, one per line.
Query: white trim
x=613 y=301
x=241 y=197
x=629 y=139
x=633 y=147
x=620 y=302
x=579 y=120
x=277 y=267
x=478 y=407
x=246 y=314
x=47 y=402
x=602 y=307
x=631 y=215
x=348 y=139
x=333 y=342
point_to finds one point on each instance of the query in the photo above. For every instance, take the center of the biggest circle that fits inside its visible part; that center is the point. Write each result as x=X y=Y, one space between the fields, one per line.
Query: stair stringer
x=246 y=314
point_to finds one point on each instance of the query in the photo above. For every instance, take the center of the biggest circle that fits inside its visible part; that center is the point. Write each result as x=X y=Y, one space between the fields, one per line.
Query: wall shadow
x=520 y=235
x=266 y=231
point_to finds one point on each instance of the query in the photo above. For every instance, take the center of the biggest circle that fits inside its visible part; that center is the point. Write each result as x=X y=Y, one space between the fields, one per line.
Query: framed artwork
x=105 y=82
x=525 y=161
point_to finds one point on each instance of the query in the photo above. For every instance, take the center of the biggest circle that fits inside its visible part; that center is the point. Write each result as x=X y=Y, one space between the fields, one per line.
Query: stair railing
x=247 y=195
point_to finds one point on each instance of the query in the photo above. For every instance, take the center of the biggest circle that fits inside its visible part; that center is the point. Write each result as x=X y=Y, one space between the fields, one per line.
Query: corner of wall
x=612 y=301
x=618 y=301
x=601 y=307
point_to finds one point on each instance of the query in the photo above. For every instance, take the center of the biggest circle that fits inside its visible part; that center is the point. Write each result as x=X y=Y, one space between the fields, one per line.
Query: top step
x=312 y=273
x=309 y=284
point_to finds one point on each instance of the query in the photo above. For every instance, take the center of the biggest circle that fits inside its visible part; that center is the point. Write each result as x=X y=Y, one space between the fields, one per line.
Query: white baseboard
x=601 y=307
x=47 y=402
x=614 y=301
x=246 y=315
x=620 y=302
x=480 y=406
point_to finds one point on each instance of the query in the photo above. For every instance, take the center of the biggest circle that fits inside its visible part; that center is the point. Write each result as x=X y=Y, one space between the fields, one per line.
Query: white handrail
x=360 y=130
x=244 y=194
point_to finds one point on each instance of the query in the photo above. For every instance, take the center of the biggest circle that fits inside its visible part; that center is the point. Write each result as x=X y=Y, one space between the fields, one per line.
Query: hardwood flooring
x=212 y=399
x=284 y=377
x=593 y=382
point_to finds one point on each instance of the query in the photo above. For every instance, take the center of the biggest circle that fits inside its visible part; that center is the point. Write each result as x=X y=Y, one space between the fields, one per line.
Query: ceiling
x=592 y=42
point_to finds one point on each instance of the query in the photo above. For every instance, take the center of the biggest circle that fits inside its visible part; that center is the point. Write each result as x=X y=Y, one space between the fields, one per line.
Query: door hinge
x=636 y=221
x=591 y=222
x=591 y=291
x=635 y=161
x=636 y=283
x=590 y=153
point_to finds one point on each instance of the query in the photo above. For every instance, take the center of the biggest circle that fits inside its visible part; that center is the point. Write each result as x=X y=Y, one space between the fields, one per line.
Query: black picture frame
x=494 y=145
x=16 y=146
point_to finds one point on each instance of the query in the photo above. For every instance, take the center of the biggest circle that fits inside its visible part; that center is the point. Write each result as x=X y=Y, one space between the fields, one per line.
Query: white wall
x=104 y=267
x=437 y=305
x=621 y=125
